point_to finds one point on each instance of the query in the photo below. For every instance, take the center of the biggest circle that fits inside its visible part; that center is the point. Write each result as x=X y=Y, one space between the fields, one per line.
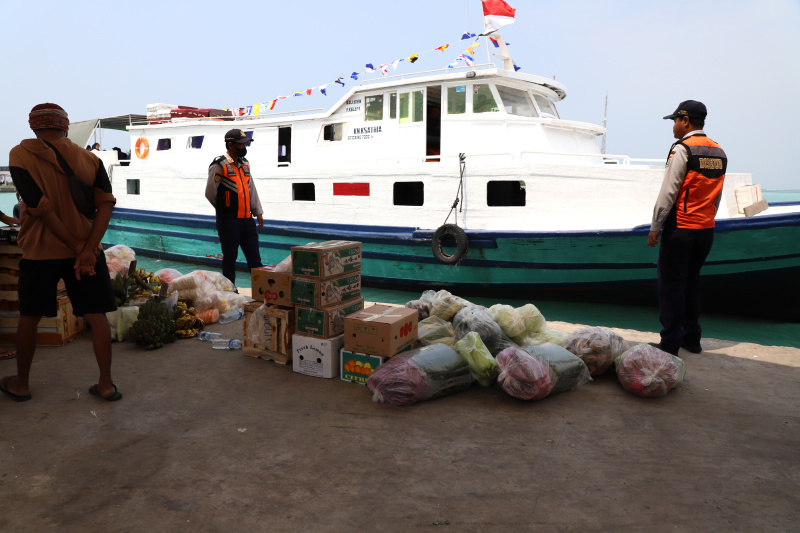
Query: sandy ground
x=208 y=440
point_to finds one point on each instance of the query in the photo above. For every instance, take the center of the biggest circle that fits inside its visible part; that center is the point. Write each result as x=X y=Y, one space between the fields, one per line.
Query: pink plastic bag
x=522 y=375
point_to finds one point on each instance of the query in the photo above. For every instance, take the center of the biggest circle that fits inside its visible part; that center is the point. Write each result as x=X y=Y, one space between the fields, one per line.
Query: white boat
x=543 y=211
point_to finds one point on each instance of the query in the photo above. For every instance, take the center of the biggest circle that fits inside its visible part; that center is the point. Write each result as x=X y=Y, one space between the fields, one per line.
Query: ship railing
x=421 y=72
x=608 y=159
x=224 y=118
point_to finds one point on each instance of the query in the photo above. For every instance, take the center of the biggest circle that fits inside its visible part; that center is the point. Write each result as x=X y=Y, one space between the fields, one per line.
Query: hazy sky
x=739 y=57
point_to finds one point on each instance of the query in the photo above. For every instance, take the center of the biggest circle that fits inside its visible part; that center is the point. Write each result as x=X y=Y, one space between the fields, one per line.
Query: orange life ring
x=142 y=148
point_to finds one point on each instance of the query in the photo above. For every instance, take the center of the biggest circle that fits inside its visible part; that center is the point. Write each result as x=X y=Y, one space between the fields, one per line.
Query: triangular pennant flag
x=324 y=89
x=384 y=69
x=308 y=91
x=298 y=93
x=516 y=68
x=256 y=109
x=412 y=58
x=467 y=35
x=272 y=104
x=395 y=63
x=339 y=81
x=354 y=75
x=442 y=48
x=370 y=68
x=496 y=44
x=471 y=48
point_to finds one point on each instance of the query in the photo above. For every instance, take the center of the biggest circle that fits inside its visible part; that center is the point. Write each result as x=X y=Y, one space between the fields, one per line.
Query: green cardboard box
x=313 y=292
x=325 y=322
x=326 y=259
x=357 y=367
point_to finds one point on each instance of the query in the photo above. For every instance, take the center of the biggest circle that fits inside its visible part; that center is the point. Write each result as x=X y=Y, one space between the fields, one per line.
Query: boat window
x=393 y=105
x=409 y=193
x=133 y=186
x=303 y=192
x=419 y=105
x=249 y=135
x=195 y=142
x=333 y=132
x=164 y=144
x=374 y=107
x=405 y=105
x=483 y=99
x=545 y=106
x=516 y=102
x=457 y=100
x=505 y=193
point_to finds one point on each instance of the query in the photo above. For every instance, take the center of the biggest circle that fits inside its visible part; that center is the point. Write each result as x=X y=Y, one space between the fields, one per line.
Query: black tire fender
x=462 y=244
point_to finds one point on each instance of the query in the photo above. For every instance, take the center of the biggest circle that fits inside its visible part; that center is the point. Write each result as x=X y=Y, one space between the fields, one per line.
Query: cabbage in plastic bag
x=476 y=318
x=569 y=371
x=434 y=330
x=550 y=335
x=598 y=347
x=533 y=318
x=445 y=305
x=509 y=320
x=481 y=362
x=648 y=372
x=523 y=375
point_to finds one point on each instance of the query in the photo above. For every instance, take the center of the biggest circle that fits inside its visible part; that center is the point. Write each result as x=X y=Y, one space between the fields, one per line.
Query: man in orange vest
x=232 y=192
x=684 y=215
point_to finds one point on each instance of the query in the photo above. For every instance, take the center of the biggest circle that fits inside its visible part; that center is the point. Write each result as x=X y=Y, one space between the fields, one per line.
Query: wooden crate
x=55 y=331
x=276 y=339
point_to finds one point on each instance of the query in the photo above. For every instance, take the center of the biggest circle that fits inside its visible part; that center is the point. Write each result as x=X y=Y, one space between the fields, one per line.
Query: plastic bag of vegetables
x=477 y=356
x=569 y=371
x=509 y=320
x=598 y=347
x=422 y=308
x=422 y=374
x=648 y=372
x=476 y=318
x=545 y=335
x=434 y=330
x=533 y=318
x=445 y=305
x=523 y=375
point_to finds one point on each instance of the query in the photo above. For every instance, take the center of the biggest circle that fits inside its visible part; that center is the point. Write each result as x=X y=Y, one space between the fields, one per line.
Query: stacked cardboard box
x=373 y=335
x=325 y=288
x=271 y=318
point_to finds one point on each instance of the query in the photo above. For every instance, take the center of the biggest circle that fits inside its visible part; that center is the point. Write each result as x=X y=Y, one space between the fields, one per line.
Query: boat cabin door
x=433 y=124
x=284 y=146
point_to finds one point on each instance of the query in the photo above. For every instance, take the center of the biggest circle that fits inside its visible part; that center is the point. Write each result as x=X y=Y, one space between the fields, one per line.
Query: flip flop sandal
x=113 y=398
x=8 y=354
x=15 y=397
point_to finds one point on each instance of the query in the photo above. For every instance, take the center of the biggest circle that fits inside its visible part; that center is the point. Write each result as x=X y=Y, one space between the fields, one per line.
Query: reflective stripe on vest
x=705 y=174
x=237 y=179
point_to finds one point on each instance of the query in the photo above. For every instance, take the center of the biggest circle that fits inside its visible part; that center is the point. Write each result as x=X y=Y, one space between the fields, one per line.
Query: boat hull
x=748 y=270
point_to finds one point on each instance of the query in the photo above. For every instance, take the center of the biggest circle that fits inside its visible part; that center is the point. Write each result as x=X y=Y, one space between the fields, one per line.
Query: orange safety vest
x=233 y=193
x=695 y=206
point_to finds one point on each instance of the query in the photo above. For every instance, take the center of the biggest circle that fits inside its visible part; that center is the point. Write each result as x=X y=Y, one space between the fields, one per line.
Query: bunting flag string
x=466 y=57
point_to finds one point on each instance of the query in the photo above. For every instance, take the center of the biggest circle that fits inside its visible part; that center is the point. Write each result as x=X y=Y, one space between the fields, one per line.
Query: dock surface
x=212 y=440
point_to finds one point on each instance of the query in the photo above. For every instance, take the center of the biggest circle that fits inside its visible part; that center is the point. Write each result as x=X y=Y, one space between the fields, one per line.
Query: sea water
x=640 y=318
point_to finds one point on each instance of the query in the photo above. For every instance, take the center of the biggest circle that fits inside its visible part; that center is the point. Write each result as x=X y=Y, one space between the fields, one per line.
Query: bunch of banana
x=123 y=286
x=188 y=325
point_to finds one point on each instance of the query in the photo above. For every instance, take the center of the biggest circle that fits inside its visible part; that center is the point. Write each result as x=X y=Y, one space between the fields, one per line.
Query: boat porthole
x=462 y=244
x=142 y=148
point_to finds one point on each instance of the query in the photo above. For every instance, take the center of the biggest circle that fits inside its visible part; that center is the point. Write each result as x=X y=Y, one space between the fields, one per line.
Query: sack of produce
x=649 y=372
x=434 y=330
x=127 y=317
x=569 y=371
x=523 y=375
x=427 y=297
x=222 y=301
x=285 y=265
x=167 y=275
x=476 y=318
x=533 y=318
x=477 y=356
x=509 y=320
x=445 y=305
x=598 y=347
x=422 y=308
x=422 y=374
x=545 y=335
x=118 y=259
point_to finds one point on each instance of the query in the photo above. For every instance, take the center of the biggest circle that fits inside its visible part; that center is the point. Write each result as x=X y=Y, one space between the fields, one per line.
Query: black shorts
x=38 y=284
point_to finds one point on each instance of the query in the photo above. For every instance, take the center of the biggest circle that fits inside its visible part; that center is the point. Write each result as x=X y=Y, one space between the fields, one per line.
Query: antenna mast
x=605 y=119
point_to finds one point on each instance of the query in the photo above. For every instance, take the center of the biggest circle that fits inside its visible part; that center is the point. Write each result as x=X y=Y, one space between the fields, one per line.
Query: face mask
x=241 y=152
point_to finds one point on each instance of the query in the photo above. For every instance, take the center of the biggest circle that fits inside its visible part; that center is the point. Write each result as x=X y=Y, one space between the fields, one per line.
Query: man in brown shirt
x=59 y=242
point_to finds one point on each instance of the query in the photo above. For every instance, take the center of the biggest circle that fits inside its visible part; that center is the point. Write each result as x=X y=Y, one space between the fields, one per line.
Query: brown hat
x=48 y=116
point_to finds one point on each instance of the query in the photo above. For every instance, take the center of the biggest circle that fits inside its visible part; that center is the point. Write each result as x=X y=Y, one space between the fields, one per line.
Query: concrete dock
x=208 y=440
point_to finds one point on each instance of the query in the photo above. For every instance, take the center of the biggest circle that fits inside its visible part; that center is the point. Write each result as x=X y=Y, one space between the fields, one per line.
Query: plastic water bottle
x=209 y=336
x=231 y=316
x=226 y=344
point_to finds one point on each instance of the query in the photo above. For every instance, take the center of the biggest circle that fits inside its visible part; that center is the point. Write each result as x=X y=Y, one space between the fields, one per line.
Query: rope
x=460 y=193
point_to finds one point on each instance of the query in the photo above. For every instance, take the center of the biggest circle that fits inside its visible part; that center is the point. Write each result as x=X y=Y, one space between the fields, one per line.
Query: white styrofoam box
x=316 y=357
x=747 y=196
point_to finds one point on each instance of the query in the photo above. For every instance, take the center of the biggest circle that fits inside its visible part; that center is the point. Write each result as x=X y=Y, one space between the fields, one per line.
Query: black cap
x=236 y=136
x=689 y=108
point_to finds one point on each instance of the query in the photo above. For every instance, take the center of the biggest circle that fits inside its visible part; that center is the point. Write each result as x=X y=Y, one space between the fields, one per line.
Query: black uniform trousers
x=680 y=258
x=233 y=233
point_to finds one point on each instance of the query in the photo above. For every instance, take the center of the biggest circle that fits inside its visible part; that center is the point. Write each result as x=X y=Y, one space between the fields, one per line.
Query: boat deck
x=214 y=440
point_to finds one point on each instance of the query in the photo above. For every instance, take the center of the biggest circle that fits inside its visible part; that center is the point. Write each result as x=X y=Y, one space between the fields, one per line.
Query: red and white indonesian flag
x=496 y=14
